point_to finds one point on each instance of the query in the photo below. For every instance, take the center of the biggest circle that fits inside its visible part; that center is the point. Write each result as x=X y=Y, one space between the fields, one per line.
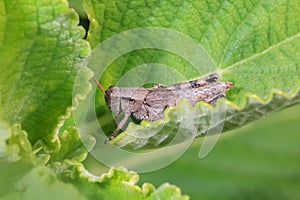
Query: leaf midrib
x=260 y=53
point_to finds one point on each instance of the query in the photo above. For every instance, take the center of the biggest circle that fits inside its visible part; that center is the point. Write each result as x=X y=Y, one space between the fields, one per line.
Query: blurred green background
x=258 y=161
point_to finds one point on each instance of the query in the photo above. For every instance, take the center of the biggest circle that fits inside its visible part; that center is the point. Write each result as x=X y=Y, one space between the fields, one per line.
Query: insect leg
x=214 y=99
x=119 y=126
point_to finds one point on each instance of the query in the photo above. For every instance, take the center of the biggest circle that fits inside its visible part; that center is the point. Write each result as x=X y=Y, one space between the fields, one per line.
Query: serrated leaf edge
x=146 y=188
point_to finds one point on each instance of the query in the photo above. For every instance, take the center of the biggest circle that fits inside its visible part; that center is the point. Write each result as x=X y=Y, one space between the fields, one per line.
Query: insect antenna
x=99 y=86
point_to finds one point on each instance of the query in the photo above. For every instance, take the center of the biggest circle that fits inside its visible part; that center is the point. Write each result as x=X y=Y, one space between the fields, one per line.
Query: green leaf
x=73 y=150
x=119 y=183
x=254 y=44
x=41 y=183
x=72 y=147
x=16 y=156
x=41 y=51
x=22 y=170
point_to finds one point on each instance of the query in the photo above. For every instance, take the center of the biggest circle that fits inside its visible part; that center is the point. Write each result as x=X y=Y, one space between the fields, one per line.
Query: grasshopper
x=150 y=103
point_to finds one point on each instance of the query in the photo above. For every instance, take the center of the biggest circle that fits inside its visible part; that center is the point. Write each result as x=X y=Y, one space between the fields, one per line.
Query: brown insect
x=150 y=103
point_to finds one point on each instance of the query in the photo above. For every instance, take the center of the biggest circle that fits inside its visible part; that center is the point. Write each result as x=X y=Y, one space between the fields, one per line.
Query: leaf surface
x=254 y=44
x=119 y=183
x=41 y=51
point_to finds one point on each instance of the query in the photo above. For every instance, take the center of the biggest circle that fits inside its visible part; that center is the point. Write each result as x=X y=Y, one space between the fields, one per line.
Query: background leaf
x=119 y=183
x=16 y=157
x=42 y=183
x=41 y=52
x=255 y=44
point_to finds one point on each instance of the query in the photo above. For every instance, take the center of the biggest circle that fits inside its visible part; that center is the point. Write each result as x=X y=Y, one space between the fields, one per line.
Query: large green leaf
x=41 y=51
x=254 y=44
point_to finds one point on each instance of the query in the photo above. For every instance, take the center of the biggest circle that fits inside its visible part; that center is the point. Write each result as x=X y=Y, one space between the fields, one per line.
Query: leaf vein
x=262 y=53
